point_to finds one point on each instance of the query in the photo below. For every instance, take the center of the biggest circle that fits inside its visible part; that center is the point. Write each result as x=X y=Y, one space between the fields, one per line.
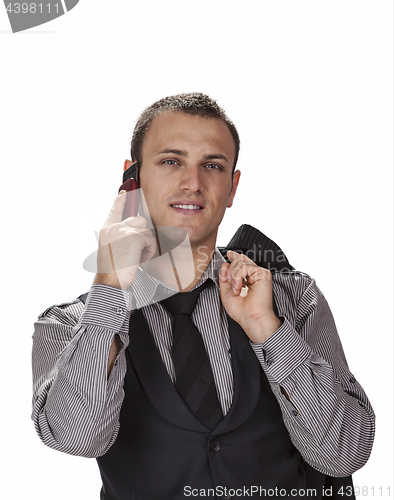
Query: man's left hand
x=254 y=312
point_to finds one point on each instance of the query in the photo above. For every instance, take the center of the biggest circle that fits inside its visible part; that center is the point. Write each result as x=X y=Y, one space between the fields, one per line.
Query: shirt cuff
x=107 y=307
x=282 y=352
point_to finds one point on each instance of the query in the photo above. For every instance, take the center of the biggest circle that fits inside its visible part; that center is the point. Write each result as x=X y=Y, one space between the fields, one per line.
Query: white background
x=309 y=86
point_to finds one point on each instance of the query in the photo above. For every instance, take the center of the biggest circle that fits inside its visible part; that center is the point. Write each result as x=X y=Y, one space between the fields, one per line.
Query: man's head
x=192 y=103
x=188 y=158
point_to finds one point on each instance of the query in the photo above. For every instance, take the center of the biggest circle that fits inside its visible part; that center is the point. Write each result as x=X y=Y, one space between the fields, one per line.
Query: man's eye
x=170 y=162
x=213 y=166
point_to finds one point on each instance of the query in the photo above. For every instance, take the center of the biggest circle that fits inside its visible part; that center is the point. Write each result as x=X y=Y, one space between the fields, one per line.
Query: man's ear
x=236 y=176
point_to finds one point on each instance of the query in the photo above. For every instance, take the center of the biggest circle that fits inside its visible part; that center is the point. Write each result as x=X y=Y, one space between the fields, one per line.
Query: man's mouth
x=188 y=207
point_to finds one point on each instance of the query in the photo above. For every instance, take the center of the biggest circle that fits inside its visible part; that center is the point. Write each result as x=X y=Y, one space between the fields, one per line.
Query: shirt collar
x=145 y=287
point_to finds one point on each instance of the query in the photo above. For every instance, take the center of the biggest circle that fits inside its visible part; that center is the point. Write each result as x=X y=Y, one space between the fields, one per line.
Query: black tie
x=194 y=377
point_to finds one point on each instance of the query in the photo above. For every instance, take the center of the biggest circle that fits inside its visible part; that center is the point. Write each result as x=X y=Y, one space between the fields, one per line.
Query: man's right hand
x=123 y=245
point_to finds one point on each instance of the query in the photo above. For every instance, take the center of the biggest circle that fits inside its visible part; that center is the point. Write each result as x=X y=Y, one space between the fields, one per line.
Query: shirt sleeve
x=327 y=413
x=75 y=408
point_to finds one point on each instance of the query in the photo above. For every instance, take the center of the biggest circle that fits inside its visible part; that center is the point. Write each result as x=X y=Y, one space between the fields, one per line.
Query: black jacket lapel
x=246 y=372
x=160 y=390
x=147 y=362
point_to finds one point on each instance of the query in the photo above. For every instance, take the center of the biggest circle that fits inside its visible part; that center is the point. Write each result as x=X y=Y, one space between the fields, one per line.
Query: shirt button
x=215 y=446
x=352 y=380
x=294 y=412
x=269 y=362
x=119 y=310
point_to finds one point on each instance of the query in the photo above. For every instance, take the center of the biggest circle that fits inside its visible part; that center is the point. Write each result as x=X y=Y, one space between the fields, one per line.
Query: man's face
x=188 y=160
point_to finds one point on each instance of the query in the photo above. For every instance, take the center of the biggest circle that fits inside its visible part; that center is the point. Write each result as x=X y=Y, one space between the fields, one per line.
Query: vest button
x=215 y=446
x=352 y=380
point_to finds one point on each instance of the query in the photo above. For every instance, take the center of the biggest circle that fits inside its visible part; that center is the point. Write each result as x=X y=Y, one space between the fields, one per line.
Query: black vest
x=163 y=452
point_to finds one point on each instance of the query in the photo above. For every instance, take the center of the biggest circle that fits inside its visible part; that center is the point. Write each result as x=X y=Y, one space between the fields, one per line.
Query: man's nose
x=192 y=179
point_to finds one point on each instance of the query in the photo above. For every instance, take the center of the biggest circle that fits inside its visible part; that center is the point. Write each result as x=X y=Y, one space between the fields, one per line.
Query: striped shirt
x=76 y=409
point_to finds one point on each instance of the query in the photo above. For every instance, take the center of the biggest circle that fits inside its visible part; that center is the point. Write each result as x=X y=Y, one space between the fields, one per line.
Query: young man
x=264 y=389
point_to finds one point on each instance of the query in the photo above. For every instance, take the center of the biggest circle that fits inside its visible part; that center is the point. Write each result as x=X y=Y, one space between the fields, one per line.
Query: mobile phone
x=131 y=185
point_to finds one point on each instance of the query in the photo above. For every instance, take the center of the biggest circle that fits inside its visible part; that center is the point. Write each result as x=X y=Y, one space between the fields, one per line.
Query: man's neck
x=181 y=269
x=202 y=257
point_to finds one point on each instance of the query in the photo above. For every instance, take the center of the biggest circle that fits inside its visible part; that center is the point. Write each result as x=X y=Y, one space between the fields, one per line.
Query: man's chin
x=171 y=237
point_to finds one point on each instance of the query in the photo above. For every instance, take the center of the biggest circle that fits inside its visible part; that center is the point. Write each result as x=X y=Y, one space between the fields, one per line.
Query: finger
x=243 y=270
x=239 y=273
x=234 y=257
x=150 y=248
x=225 y=277
x=123 y=231
x=225 y=280
x=252 y=273
x=128 y=251
x=224 y=273
x=136 y=221
x=136 y=237
x=116 y=213
x=259 y=274
x=225 y=286
x=238 y=262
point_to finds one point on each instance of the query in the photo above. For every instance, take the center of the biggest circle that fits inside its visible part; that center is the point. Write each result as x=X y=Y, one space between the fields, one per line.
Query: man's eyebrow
x=178 y=152
x=215 y=157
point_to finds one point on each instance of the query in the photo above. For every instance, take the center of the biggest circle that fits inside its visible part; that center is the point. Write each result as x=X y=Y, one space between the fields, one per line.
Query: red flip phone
x=131 y=186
